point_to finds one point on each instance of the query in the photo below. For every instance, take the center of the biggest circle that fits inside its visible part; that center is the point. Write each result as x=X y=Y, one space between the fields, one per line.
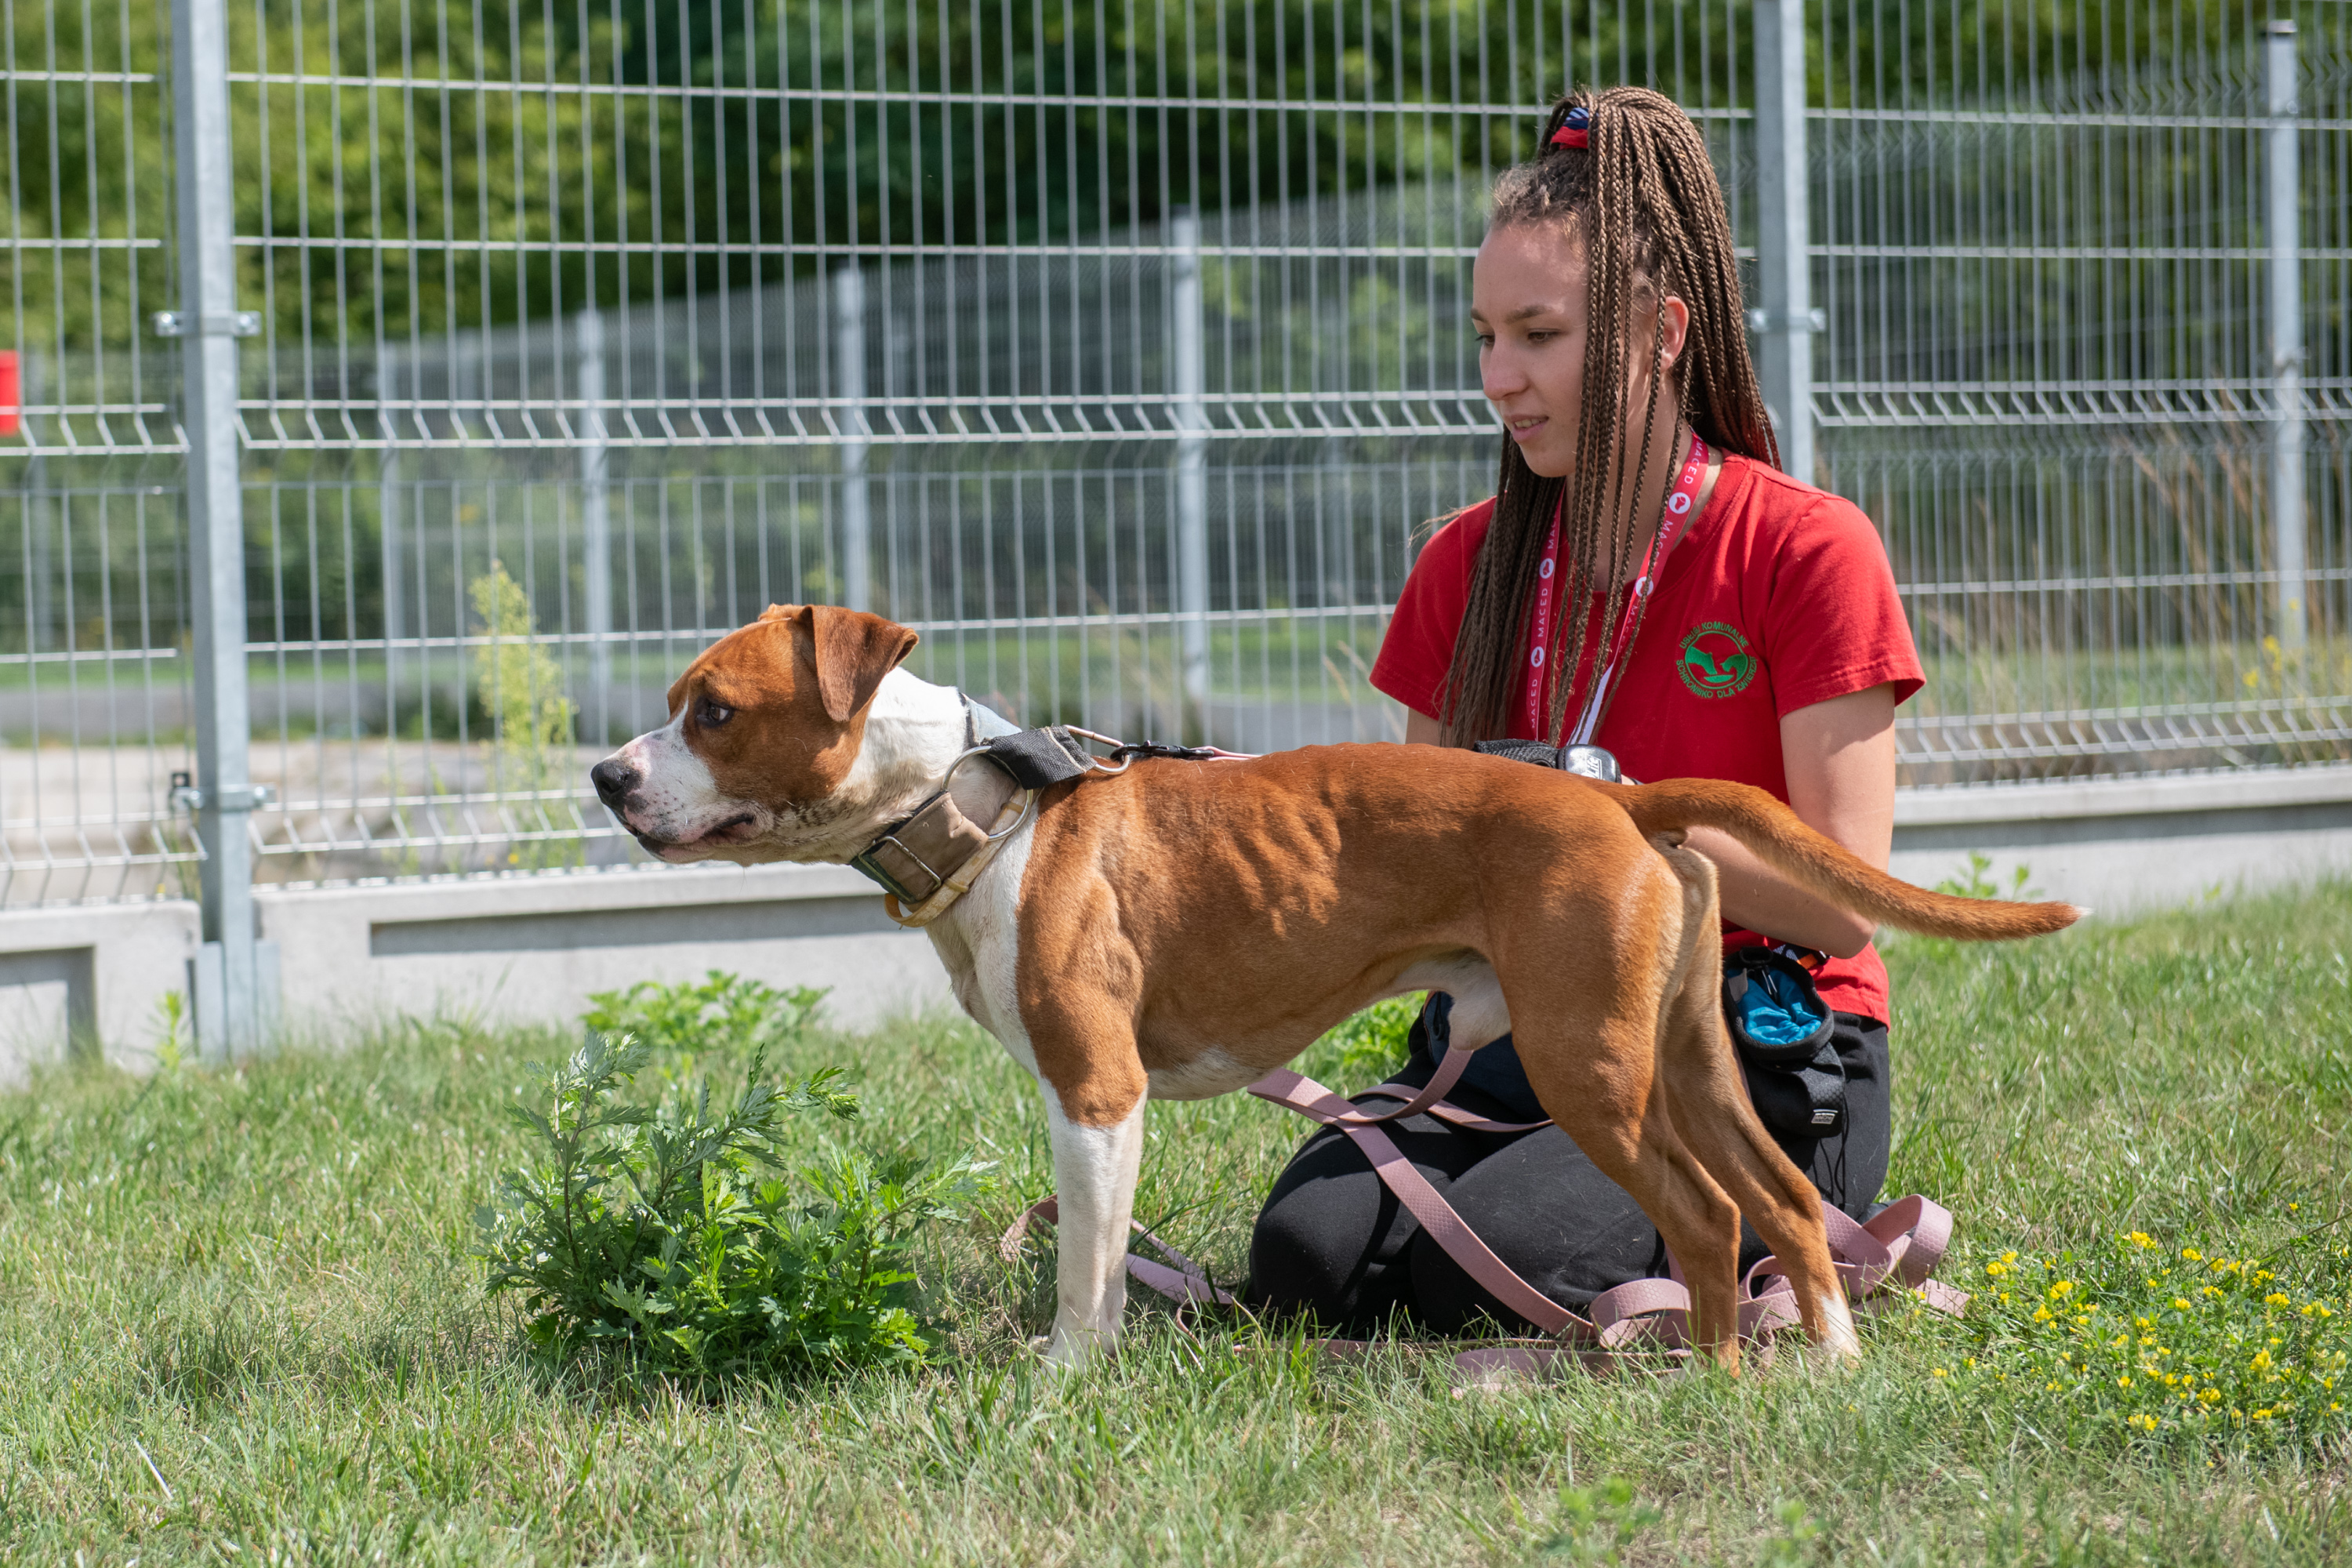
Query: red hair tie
x=1574 y=131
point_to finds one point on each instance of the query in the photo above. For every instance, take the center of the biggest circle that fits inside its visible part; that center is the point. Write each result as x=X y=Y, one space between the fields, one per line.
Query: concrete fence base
x=94 y=979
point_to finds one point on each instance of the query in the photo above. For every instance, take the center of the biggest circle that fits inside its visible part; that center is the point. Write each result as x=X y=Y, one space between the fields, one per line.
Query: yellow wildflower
x=2262 y=1362
x=2180 y=1303
x=2276 y=1299
x=2191 y=1253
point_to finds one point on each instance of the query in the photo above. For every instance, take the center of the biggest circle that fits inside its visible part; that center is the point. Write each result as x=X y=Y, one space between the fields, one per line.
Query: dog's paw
x=1068 y=1350
x=1838 y=1347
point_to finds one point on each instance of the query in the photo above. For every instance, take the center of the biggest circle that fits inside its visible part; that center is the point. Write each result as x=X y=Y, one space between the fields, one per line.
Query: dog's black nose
x=614 y=780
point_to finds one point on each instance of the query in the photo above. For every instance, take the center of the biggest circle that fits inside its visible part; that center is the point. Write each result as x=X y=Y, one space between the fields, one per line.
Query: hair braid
x=1643 y=200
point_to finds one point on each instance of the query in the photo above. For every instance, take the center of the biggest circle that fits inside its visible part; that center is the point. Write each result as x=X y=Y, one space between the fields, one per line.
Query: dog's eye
x=712 y=714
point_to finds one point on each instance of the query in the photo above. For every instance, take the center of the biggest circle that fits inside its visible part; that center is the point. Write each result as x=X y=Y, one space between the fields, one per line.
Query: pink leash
x=1899 y=1248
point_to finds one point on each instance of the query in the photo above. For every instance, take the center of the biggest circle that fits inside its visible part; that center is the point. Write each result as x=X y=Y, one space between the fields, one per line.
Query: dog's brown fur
x=1213 y=918
x=1248 y=907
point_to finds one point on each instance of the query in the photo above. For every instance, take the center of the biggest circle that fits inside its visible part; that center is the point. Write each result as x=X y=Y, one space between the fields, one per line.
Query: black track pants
x=1335 y=1244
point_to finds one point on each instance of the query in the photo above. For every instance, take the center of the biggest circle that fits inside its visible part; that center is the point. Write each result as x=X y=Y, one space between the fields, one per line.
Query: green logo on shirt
x=1715 y=660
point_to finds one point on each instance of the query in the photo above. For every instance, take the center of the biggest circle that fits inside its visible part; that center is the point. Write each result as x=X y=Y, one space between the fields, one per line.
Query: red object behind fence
x=11 y=393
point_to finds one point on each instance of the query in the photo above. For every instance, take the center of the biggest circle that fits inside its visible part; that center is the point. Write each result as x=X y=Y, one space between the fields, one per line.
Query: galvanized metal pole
x=595 y=522
x=1784 y=319
x=1192 y=418
x=389 y=503
x=849 y=382
x=2284 y=229
x=208 y=325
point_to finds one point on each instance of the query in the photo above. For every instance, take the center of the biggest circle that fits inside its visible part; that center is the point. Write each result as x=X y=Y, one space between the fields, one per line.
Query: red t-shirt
x=1778 y=597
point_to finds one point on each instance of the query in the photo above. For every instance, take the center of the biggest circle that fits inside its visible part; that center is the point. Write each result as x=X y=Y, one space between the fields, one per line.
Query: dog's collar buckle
x=928 y=859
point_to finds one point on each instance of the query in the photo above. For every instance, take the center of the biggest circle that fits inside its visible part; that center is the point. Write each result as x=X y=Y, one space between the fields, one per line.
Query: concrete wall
x=89 y=978
x=532 y=948
x=2119 y=846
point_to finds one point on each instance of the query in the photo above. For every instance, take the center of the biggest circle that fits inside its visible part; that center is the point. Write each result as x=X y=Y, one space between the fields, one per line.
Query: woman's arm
x=1839 y=756
x=1840 y=760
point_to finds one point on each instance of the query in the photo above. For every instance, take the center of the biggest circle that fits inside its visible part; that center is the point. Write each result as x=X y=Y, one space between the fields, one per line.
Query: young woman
x=1713 y=618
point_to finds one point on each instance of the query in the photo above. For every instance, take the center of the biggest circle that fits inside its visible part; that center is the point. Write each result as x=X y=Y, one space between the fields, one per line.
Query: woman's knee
x=1318 y=1227
x=1547 y=1213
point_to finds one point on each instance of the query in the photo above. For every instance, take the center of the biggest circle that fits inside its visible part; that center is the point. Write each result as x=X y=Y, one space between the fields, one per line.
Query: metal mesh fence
x=1118 y=347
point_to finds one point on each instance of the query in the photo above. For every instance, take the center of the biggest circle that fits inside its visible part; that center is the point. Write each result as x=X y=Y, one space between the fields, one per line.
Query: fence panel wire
x=1118 y=347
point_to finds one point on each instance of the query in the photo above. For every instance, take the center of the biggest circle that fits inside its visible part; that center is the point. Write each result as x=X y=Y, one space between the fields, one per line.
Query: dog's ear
x=853 y=651
x=777 y=613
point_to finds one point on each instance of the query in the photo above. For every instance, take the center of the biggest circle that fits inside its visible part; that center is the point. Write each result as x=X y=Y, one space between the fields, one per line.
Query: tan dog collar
x=927 y=861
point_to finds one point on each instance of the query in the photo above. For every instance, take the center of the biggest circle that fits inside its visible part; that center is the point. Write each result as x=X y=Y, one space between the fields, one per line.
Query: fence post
x=849 y=382
x=1785 y=320
x=595 y=519
x=2282 y=229
x=389 y=505
x=208 y=324
x=1192 y=419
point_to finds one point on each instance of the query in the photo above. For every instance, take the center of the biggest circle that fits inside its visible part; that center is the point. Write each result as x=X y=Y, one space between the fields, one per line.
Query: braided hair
x=1625 y=170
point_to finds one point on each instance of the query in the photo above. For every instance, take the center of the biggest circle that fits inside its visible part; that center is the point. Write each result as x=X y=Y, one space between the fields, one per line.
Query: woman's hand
x=1839 y=756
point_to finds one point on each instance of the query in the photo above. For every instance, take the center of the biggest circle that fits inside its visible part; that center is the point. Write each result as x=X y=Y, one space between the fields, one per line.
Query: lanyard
x=1680 y=499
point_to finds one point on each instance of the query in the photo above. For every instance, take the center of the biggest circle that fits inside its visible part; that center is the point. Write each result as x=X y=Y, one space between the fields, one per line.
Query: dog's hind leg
x=1588 y=1037
x=1709 y=1105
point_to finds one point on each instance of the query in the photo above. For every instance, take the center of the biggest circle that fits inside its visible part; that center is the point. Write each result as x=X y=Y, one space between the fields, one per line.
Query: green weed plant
x=698 y=1240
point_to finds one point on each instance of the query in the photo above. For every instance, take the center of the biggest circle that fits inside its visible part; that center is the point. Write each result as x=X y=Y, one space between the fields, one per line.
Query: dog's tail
x=1823 y=867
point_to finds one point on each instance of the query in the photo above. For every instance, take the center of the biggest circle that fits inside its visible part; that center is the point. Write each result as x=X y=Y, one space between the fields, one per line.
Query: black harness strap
x=1590 y=762
x=1036 y=758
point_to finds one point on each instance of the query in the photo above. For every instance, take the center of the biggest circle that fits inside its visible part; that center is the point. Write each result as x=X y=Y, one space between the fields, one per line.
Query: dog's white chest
x=978 y=942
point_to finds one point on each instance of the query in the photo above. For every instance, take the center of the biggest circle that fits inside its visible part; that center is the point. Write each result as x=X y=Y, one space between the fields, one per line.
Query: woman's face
x=1526 y=304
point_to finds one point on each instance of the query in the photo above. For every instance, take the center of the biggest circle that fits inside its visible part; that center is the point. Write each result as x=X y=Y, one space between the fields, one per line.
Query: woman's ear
x=1673 y=329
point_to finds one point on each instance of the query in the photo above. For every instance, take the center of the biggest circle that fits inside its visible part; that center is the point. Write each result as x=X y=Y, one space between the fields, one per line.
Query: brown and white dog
x=1181 y=929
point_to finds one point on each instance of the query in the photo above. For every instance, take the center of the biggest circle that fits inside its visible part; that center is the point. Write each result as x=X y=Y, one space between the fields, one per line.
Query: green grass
x=239 y=1323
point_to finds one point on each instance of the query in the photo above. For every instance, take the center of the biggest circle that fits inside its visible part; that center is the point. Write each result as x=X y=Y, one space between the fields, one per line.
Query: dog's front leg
x=1096 y=1153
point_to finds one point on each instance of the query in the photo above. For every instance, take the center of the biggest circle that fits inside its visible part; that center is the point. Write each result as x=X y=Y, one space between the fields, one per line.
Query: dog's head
x=760 y=760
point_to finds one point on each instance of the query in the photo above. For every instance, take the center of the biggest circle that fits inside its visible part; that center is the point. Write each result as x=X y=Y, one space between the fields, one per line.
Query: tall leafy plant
x=702 y=1240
